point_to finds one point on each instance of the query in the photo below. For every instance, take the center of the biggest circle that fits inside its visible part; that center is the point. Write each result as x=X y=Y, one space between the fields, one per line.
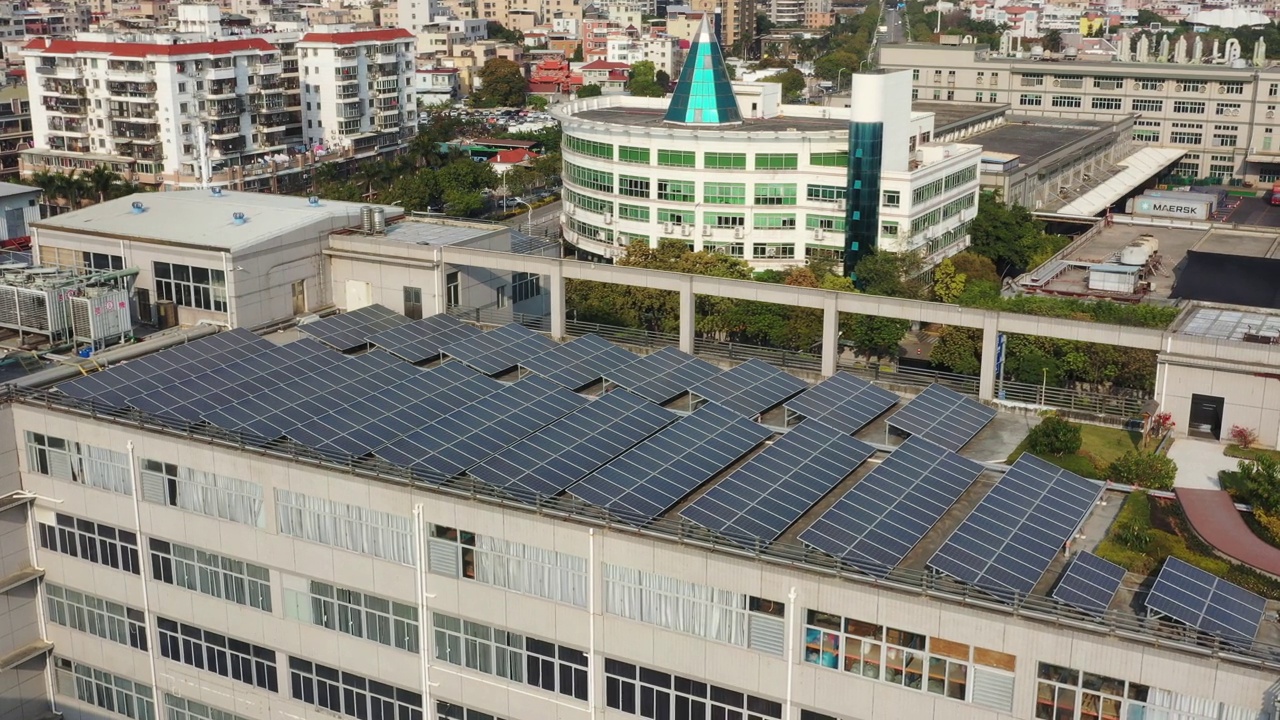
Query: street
x=893 y=20
x=546 y=219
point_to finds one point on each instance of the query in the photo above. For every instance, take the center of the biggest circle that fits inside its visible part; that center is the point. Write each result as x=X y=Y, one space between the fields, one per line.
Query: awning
x=1137 y=169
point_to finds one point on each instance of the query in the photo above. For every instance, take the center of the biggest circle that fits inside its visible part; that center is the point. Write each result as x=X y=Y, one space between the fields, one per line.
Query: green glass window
x=825 y=193
x=589 y=147
x=830 y=159
x=598 y=234
x=824 y=222
x=723 y=220
x=775 y=221
x=725 y=161
x=682 y=217
x=633 y=186
x=633 y=212
x=775 y=194
x=724 y=193
x=677 y=158
x=588 y=178
x=626 y=238
x=637 y=155
x=676 y=191
x=777 y=161
x=586 y=202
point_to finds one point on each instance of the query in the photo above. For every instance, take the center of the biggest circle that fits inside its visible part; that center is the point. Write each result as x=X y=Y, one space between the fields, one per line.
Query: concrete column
x=687 y=320
x=830 y=336
x=557 y=302
x=987 y=376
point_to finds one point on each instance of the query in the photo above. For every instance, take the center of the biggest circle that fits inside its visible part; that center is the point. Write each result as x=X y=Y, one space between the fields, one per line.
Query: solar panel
x=579 y=362
x=1206 y=602
x=750 y=388
x=569 y=449
x=1090 y=583
x=662 y=376
x=885 y=514
x=772 y=490
x=499 y=350
x=652 y=477
x=470 y=434
x=350 y=330
x=944 y=416
x=1012 y=536
x=422 y=340
x=843 y=401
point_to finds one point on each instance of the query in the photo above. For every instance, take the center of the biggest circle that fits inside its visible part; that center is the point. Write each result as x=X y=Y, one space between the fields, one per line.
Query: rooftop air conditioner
x=771 y=252
x=817 y=234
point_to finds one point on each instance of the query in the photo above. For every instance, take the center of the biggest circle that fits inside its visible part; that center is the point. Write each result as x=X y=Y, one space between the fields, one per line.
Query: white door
x=359 y=294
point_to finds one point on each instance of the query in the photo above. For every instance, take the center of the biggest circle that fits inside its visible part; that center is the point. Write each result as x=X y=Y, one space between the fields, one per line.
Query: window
x=351 y=695
x=1227 y=109
x=637 y=155
x=677 y=158
x=889 y=229
x=1031 y=100
x=587 y=202
x=1189 y=107
x=1231 y=88
x=1066 y=101
x=676 y=216
x=1191 y=86
x=1151 y=106
x=725 y=161
x=676 y=191
x=588 y=178
x=1107 y=103
x=1151 y=84
x=356 y=613
x=776 y=161
x=556 y=668
x=223 y=577
x=96 y=616
x=513 y=566
x=177 y=708
x=95 y=542
x=202 y=492
x=413 y=302
x=824 y=222
x=824 y=193
x=830 y=159
x=960 y=177
x=1184 y=137
x=500 y=296
x=1225 y=139
x=449 y=711
x=926 y=192
x=590 y=232
x=525 y=286
x=350 y=527
x=206 y=650
x=724 y=193
x=775 y=221
x=589 y=147
x=50 y=255
x=1068 y=694
x=1146 y=135
x=892 y=199
x=633 y=186
x=494 y=651
x=633 y=212
x=1032 y=80
x=774 y=251
x=775 y=194
x=915 y=75
x=452 y=289
x=190 y=286
x=727 y=220
x=105 y=690
x=658 y=695
x=93 y=466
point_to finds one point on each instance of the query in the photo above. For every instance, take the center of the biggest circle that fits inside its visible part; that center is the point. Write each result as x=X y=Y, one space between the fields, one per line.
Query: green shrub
x=1261 y=477
x=1055 y=436
x=1233 y=483
x=1266 y=526
x=1143 y=469
x=1130 y=560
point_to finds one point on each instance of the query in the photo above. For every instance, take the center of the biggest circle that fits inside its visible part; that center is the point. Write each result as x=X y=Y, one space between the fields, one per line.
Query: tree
x=1054 y=436
x=462 y=203
x=958 y=350
x=102 y=179
x=792 y=82
x=577 y=53
x=837 y=65
x=589 y=91
x=663 y=79
x=502 y=85
x=893 y=274
x=538 y=102
x=1147 y=17
x=641 y=82
x=947 y=283
x=1052 y=41
x=1261 y=477
x=877 y=336
x=1010 y=237
x=498 y=31
x=1143 y=469
x=975 y=267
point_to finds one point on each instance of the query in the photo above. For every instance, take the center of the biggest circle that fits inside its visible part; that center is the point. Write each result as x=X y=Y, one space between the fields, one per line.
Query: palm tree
x=73 y=188
x=125 y=188
x=48 y=182
x=101 y=180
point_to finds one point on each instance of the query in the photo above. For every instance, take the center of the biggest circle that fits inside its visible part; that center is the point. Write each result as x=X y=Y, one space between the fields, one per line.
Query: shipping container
x=1185 y=208
x=1191 y=196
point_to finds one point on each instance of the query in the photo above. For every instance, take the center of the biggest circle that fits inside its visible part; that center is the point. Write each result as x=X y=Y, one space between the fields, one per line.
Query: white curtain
x=676 y=604
x=221 y=497
x=1167 y=705
x=531 y=570
x=105 y=469
x=350 y=527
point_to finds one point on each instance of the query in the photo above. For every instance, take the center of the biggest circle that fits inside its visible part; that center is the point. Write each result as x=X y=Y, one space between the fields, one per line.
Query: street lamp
x=522 y=202
x=838 y=76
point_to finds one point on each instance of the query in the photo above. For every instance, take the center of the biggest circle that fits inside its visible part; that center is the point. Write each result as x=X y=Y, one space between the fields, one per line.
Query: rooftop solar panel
x=774 y=488
x=885 y=514
x=569 y=449
x=499 y=350
x=1206 y=602
x=579 y=362
x=1012 y=536
x=1090 y=583
x=422 y=340
x=470 y=434
x=350 y=330
x=663 y=375
x=843 y=401
x=750 y=388
x=652 y=477
x=944 y=416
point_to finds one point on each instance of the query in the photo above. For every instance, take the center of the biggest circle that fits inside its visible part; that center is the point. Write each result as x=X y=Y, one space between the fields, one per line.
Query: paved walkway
x=1216 y=519
x=1199 y=462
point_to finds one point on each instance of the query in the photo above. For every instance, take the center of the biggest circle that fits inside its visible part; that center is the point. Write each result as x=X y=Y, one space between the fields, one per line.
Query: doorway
x=1206 y=417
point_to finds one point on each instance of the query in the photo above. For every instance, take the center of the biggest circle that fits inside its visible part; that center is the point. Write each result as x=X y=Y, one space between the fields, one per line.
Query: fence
x=789 y=553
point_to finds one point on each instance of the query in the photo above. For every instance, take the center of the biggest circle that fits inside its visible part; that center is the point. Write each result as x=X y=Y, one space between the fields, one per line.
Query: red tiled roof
x=604 y=65
x=223 y=47
x=549 y=87
x=350 y=38
x=511 y=157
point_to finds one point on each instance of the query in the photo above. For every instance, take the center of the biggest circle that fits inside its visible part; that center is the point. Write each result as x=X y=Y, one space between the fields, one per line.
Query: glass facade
x=862 y=212
x=703 y=94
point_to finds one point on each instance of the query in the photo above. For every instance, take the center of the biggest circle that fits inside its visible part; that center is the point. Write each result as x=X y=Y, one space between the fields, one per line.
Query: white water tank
x=1135 y=253
x=1151 y=242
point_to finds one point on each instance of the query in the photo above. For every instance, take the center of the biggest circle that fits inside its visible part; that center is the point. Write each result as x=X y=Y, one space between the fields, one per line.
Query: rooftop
x=142 y=50
x=947 y=115
x=439 y=231
x=1032 y=138
x=8 y=189
x=635 y=116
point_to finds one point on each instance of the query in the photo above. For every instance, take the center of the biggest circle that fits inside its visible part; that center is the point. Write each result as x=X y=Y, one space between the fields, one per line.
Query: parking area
x=1257 y=211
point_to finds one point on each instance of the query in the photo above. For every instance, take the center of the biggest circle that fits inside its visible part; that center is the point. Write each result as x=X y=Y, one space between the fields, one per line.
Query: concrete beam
x=830 y=337
x=688 y=320
x=558 y=311
x=987 y=373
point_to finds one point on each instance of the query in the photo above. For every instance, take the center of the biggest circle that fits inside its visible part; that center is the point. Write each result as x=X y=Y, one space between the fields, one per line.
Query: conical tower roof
x=703 y=94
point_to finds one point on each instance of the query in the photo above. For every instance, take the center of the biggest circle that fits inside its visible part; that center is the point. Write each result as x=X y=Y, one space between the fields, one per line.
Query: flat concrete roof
x=196 y=218
x=653 y=118
x=1103 y=247
x=433 y=232
x=948 y=114
x=7 y=189
x=1246 y=243
x=1035 y=137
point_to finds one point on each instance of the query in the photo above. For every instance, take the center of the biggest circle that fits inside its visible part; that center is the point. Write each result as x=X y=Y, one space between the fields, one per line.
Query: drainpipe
x=791 y=650
x=148 y=621
x=59 y=373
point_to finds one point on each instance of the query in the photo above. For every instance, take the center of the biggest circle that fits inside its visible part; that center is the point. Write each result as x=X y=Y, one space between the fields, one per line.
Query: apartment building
x=413 y=15
x=662 y=50
x=1225 y=118
x=15 y=128
x=737 y=18
x=361 y=90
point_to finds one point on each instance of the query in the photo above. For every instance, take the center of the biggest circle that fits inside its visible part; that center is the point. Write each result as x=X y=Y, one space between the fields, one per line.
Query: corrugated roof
x=359 y=36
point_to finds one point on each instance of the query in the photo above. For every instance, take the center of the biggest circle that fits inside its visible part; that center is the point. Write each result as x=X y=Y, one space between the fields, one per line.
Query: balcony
x=290 y=67
x=264 y=104
x=69 y=88
x=57 y=69
x=345 y=75
x=130 y=133
x=225 y=130
x=139 y=113
x=221 y=89
x=349 y=95
x=149 y=153
x=269 y=68
x=224 y=108
x=270 y=83
x=132 y=91
x=65 y=126
x=130 y=72
x=228 y=147
x=66 y=106
x=350 y=112
x=68 y=145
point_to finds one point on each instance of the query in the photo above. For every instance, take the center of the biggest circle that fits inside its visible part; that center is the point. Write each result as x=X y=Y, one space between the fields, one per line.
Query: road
x=545 y=219
x=894 y=20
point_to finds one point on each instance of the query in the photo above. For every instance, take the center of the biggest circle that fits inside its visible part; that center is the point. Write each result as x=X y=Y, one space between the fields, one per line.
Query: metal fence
x=1040 y=609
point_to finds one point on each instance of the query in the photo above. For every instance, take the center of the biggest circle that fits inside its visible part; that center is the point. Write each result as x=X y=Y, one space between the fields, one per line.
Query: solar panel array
x=663 y=375
x=562 y=453
x=843 y=401
x=1090 y=583
x=422 y=340
x=652 y=477
x=470 y=434
x=944 y=416
x=1012 y=536
x=774 y=488
x=347 y=331
x=579 y=362
x=499 y=350
x=750 y=388
x=885 y=514
x=138 y=377
x=1206 y=602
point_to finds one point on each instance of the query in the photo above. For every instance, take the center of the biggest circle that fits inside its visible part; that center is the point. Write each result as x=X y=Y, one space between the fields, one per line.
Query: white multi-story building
x=663 y=51
x=416 y=15
x=360 y=88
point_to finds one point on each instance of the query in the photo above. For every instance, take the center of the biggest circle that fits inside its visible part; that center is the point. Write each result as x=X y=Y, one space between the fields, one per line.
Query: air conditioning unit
x=720 y=250
x=1180 y=87
x=608 y=219
x=1271 y=113
x=706 y=231
x=1235 y=111
x=686 y=230
x=981 y=80
x=666 y=227
x=738 y=232
x=840 y=204
x=817 y=234
x=573 y=210
x=1160 y=86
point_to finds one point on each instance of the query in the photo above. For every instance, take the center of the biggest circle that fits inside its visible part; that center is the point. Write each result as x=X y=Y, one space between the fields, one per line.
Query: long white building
x=361 y=88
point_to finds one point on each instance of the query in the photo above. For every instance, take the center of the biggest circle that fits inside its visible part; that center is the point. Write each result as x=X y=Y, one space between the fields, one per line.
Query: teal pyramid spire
x=703 y=94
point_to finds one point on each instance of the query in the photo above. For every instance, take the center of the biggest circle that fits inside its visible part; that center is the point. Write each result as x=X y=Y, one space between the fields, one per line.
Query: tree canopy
x=502 y=85
x=1010 y=237
x=792 y=81
x=589 y=91
x=643 y=81
x=497 y=31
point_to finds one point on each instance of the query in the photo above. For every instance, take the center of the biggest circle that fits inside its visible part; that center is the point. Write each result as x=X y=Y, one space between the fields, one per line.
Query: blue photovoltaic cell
x=750 y=388
x=885 y=514
x=843 y=401
x=662 y=376
x=1012 y=536
x=1206 y=602
x=569 y=449
x=1090 y=583
x=652 y=477
x=774 y=488
x=351 y=330
x=500 y=350
x=423 y=340
x=944 y=416
x=579 y=362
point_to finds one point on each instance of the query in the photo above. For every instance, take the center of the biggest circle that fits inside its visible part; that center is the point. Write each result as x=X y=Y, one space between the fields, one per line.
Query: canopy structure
x=1137 y=169
x=704 y=94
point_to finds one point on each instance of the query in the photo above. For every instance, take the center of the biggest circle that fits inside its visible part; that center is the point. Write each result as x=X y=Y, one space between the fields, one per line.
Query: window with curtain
x=350 y=527
x=202 y=492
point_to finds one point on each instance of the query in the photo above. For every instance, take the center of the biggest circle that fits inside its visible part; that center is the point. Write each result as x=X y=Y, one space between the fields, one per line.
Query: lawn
x=1236 y=451
x=1099 y=446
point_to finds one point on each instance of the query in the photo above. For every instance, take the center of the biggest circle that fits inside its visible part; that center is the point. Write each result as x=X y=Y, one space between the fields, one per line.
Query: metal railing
x=789 y=553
